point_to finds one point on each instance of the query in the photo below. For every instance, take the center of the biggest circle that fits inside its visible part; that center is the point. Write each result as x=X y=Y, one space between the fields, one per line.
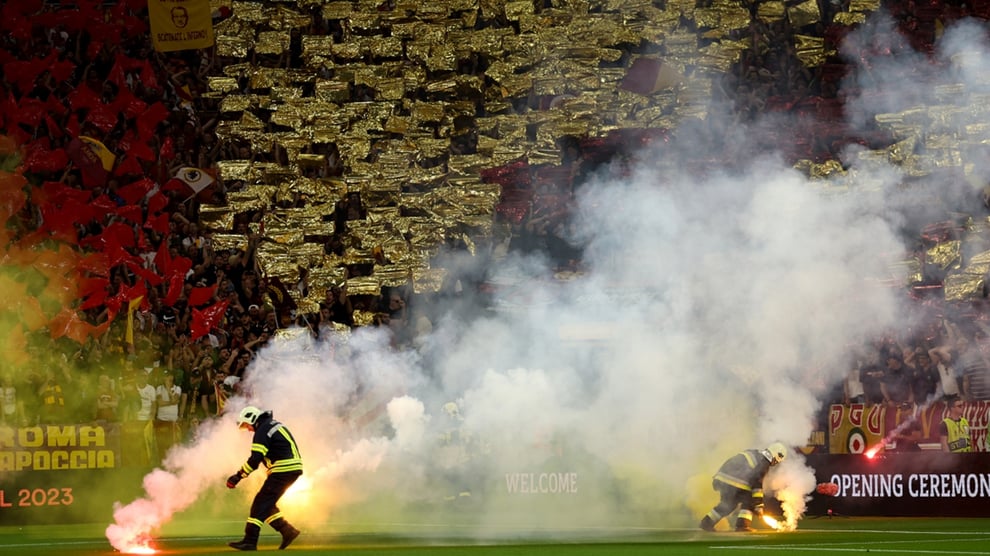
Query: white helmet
x=249 y=416
x=777 y=452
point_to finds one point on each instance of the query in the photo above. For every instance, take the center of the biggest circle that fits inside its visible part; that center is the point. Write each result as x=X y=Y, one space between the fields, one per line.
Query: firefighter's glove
x=758 y=510
x=233 y=480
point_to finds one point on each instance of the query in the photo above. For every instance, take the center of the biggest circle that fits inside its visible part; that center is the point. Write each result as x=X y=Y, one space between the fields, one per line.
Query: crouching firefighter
x=273 y=446
x=739 y=483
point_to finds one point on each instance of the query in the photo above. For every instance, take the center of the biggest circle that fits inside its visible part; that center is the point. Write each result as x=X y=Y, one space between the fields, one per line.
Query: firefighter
x=739 y=483
x=273 y=446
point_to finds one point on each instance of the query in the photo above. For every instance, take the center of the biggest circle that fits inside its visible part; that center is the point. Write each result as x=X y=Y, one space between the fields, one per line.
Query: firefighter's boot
x=250 y=540
x=707 y=524
x=744 y=525
x=288 y=532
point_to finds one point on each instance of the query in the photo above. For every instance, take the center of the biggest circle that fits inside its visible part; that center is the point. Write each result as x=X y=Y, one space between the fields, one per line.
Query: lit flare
x=138 y=547
x=771 y=522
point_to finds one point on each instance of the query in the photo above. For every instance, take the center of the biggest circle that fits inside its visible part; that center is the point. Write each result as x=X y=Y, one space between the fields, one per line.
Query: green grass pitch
x=828 y=536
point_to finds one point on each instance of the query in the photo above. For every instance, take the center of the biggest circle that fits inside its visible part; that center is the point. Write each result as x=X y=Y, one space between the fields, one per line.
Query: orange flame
x=771 y=522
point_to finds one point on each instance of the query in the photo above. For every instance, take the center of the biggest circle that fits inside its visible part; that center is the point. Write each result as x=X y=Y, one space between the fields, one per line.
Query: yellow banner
x=180 y=24
x=106 y=157
x=853 y=429
x=131 y=307
x=58 y=448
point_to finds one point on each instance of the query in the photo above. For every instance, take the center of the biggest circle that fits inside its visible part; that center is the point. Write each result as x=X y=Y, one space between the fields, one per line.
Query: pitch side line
x=860 y=549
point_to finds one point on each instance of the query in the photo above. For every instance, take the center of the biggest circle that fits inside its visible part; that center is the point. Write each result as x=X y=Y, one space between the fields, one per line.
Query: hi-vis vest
x=958 y=435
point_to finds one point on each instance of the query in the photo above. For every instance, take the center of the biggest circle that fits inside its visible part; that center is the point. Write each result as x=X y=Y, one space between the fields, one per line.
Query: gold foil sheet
x=225 y=241
x=249 y=11
x=770 y=11
x=965 y=286
x=428 y=280
x=945 y=255
x=222 y=84
x=514 y=9
x=804 y=13
x=850 y=19
x=364 y=285
x=272 y=42
x=364 y=318
x=864 y=5
x=393 y=275
x=337 y=10
x=216 y=218
x=810 y=50
x=323 y=276
x=231 y=170
x=233 y=46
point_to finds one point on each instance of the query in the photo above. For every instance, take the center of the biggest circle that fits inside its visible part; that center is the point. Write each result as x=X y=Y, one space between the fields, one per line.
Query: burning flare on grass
x=137 y=545
x=771 y=522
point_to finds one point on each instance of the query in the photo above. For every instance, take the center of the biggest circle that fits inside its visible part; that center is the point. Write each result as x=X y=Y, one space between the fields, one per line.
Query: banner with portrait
x=180 y=24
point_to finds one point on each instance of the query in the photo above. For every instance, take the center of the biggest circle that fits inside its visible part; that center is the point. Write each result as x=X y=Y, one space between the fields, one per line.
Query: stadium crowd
x=88 y=69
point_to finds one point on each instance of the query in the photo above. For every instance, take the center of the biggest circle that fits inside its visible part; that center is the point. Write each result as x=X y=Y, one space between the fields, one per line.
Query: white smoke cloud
x=715 y=314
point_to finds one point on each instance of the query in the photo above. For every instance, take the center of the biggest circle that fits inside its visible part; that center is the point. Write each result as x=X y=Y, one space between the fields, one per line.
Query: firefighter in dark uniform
x=739 y=483
x=273 y=446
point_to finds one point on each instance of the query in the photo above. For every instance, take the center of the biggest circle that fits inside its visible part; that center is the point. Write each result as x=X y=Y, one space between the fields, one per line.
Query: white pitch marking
x=820 y=549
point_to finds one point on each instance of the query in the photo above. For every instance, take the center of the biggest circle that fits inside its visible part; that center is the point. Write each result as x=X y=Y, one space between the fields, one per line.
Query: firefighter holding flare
x=274 y=446
x=739 y=483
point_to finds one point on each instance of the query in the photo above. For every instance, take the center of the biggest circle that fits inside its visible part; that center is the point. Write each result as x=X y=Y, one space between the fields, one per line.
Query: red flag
x=116 y=75
x=128 y=166
x=30 y=111
x=130 y=144
x=39 y=159
x=128 y=104
x=148 y=275
x=168 y=149
x=163 y=258
x=148 y=120
x=176 y=277
x=176 y=283
x=83 y=98
x=128 y=294
x=61 y=70
x=201 y=296
x=142 y=240
x=148 y=78
x=156 y=203
x=97 y=264
x=94 y=300
x=103 y=116
x=72 y=126
x=203 y=321
x=59 y=193
x=132 y=193
x=159 y=223
x=67 y=323
x=116 y=234
x=104 y=204
x=130 y=213
x=24 y=73
x=89 y=285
